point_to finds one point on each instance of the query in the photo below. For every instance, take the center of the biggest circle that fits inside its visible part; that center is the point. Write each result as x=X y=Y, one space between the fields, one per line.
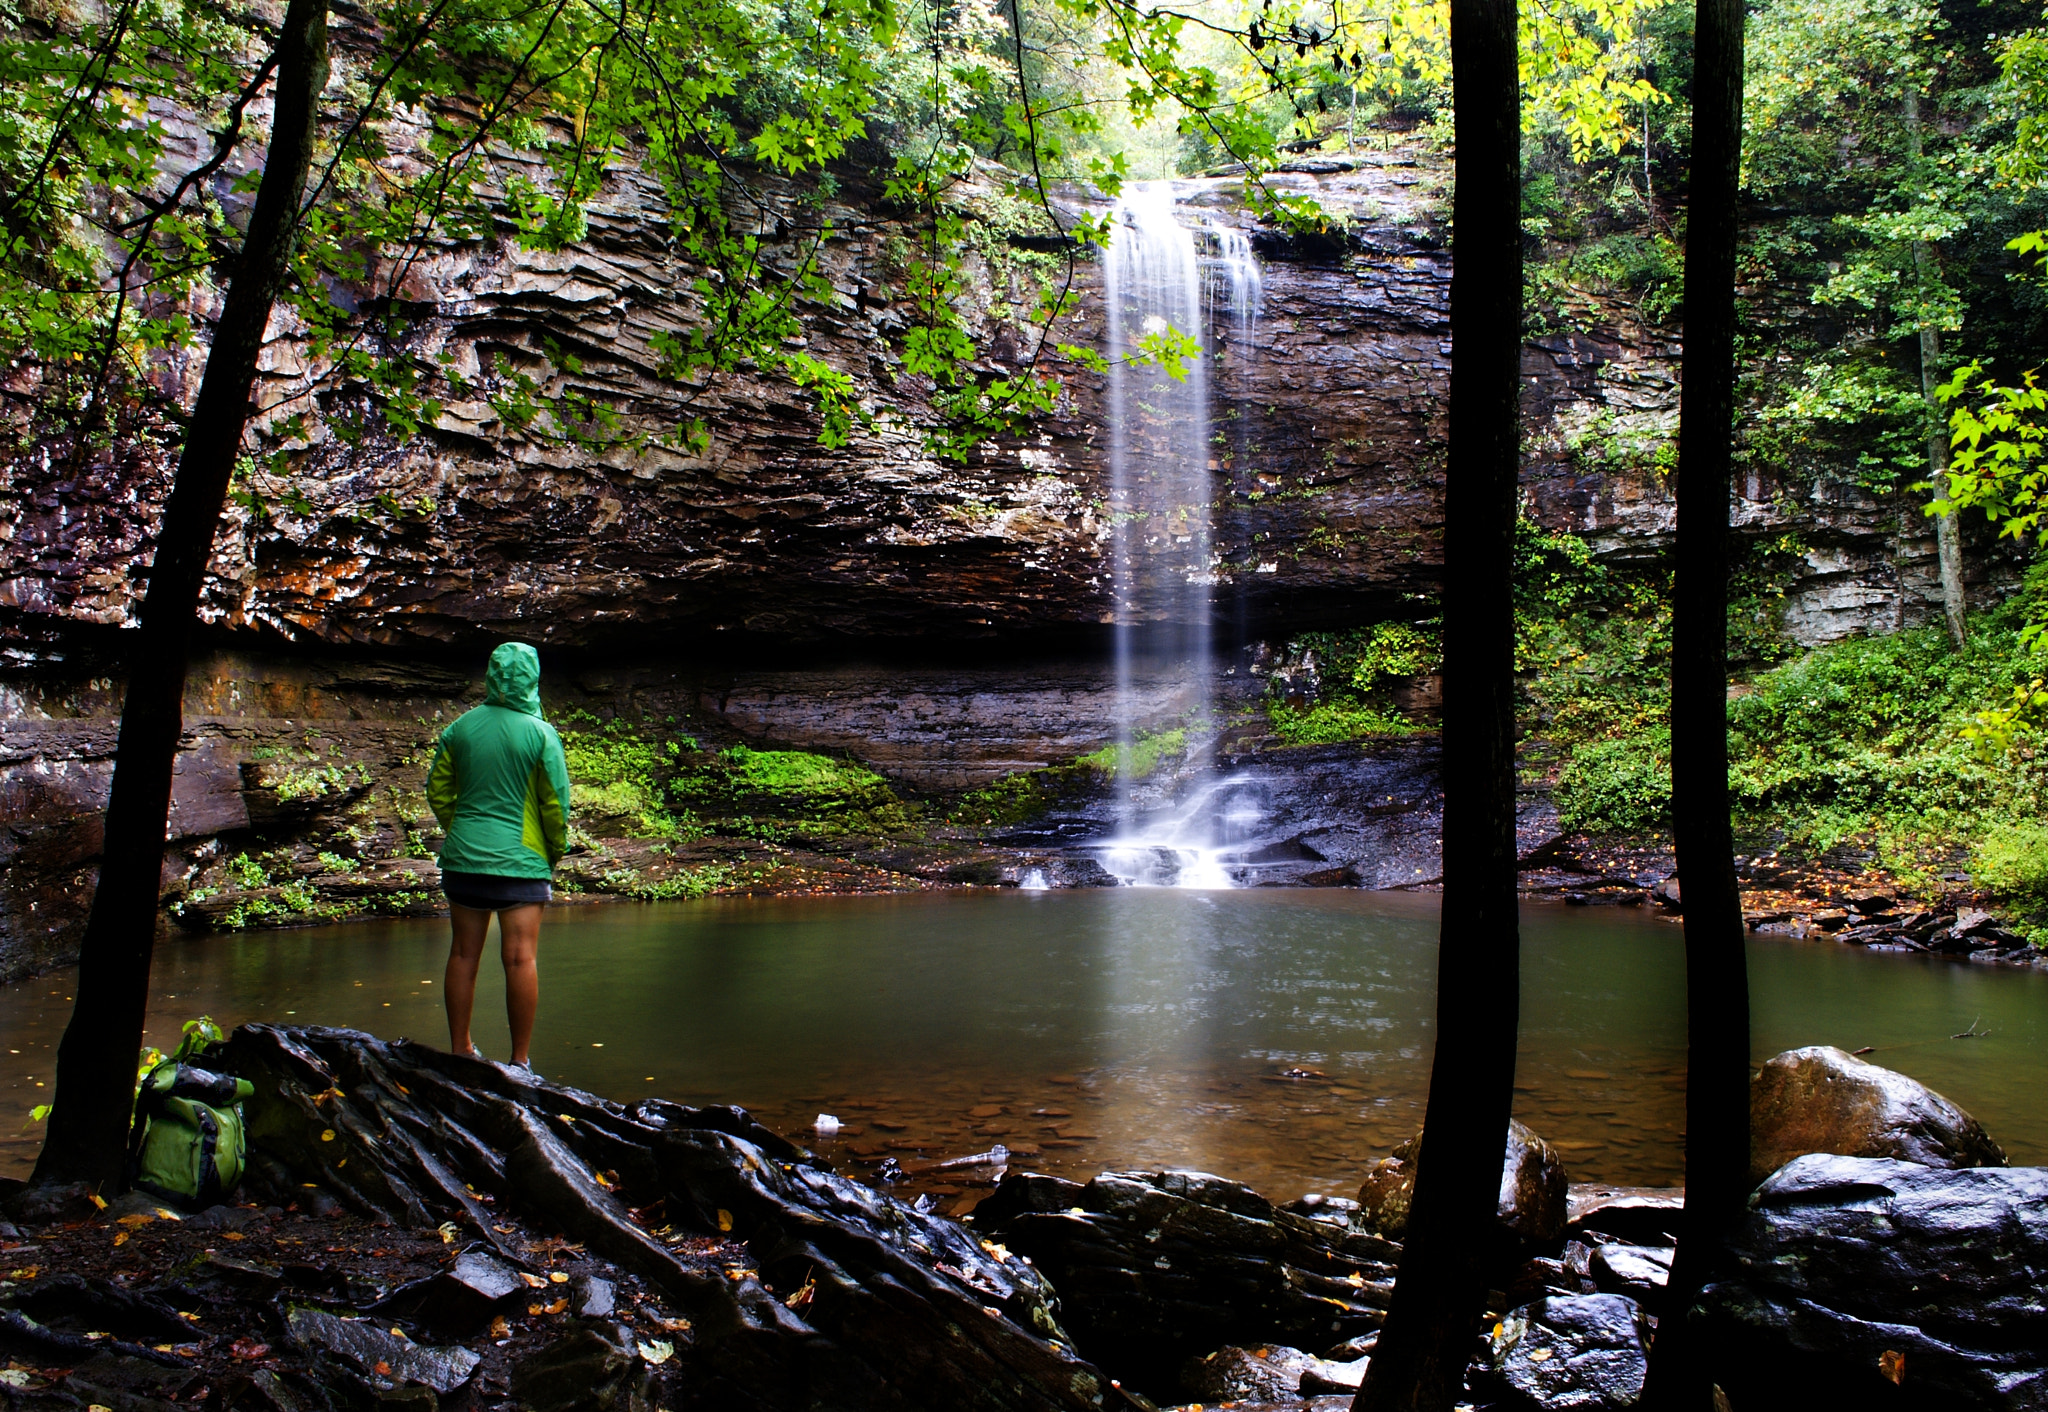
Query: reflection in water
x=1104 y=1028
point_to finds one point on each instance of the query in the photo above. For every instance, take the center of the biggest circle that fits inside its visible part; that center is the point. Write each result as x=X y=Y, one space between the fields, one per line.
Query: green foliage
x=1863 y=739
x=1617 y=784
x=1330 y=722
x=616 y=772
x=685 y=884
x=2011 y=861
x=1997 y=464
x=792 y=794
x=1140 y=757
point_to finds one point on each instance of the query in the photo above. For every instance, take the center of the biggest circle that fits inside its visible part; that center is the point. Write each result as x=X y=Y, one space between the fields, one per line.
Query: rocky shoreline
x=429 y=1231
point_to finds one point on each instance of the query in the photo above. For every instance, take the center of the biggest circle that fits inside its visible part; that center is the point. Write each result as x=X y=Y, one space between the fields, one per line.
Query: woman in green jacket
x=500 y=788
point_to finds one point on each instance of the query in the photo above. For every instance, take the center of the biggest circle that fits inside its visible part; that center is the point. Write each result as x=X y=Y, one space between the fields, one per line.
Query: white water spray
x=1161 y=489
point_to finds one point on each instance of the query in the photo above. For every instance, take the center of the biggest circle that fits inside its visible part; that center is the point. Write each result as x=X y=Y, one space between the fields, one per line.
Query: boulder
x=1588 y=1351
x=1868 y=1282
x=1819 y=1099
x=1269 y=1373
x=1641 y=1215
x=1534 y=1193
x=460 y=1299
x=1639 y=1271
x=1155 y=1268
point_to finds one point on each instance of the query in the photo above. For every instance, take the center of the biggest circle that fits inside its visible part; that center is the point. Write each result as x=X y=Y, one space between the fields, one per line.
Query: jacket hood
x=513 y=680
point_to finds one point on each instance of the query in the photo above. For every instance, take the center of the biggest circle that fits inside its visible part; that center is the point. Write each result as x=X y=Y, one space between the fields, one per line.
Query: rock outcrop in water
x=1820 y=1099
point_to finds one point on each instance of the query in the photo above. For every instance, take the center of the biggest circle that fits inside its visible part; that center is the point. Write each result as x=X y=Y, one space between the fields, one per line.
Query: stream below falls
x=1101 y=1028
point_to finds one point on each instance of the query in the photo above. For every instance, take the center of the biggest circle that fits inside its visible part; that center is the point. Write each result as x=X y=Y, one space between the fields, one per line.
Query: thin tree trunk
x=1948 y=544
x=1716 y=970
x=96 y=1060
x=1440 y=1292
x=1948 y=540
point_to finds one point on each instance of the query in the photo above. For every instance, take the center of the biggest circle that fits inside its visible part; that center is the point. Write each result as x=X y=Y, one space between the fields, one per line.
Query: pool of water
x=1104 y=1028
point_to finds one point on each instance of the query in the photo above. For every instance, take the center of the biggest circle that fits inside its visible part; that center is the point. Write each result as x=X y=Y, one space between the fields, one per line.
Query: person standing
x=500 y=788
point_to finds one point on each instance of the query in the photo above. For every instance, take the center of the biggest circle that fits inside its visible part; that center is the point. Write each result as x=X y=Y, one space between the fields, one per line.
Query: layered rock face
x=1329 y=426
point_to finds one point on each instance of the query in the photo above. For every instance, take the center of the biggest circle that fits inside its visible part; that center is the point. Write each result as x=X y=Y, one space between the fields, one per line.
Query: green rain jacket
x=499 y=784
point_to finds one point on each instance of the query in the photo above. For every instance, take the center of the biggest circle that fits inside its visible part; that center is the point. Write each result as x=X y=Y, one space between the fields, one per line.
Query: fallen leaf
x=381 y=1368
x=657 y=1351
x=1891 y=1365
x=559 y=1306
x=449 y=1233
x=99 y=1201
x=533 y=1309
x=327 y=1134
x=724 y=1219
x=134 y=1219
x=558 y=1277
x=1541 y=1355
x=249 y=1348
x=121 y=1238
x=533 y=1281
x=499 y=1328
x=13 y=1377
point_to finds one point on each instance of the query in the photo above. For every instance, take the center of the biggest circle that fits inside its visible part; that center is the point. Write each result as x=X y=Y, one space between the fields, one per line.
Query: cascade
x=1157 y=278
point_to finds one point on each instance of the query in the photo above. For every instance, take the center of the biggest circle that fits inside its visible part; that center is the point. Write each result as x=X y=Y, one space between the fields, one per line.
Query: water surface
x=1105 y=1028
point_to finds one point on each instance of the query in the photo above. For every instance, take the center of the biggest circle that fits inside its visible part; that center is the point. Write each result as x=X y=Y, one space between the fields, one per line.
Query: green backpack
x=189 y=1141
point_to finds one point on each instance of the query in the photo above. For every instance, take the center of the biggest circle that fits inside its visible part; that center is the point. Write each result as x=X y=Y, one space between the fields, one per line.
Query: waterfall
x=1162 y=484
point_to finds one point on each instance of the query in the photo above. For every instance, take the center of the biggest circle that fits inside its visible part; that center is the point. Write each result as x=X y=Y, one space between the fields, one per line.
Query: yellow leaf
x=121 y=1238
x=327 y=1134
x=724 y=1219
x=558 y=1277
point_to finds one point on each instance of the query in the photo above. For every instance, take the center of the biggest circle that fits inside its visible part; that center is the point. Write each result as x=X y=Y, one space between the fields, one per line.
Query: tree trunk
x=1439 y=1294
x=1948 y=545
x=1716 y=970
x=96 y=1060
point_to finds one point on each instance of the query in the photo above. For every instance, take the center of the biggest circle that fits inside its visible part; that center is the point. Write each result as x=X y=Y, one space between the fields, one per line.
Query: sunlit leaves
x=1998 y=436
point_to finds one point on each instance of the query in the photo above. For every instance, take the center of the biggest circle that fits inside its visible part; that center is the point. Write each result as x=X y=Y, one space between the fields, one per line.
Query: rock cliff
x=725 y=574
x=1326 y=502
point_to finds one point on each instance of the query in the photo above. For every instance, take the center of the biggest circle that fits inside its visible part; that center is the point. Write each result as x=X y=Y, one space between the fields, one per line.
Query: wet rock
x=1847 y=1261
x=1820 y=1099
x=82 y=1305
x=1586 y=1351
x=1534 y=1193
x=1639 y=1271
x=1644 y=1215
x=593 y=1297
x=875 y=1304
x=593 y=1369
x=461 y=1299
x=1325 y=1376
x=377 y=1357
x=1267 y=1373
x=1154 y=1268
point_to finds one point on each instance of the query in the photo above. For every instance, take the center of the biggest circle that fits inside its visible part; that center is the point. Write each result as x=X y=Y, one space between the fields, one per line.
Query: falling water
x=1161 y=487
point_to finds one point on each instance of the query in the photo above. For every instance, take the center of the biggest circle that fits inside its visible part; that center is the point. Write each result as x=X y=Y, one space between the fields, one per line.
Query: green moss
x=1332 y=722
x=616 y=772
x=1138 y=759
x=779 y=795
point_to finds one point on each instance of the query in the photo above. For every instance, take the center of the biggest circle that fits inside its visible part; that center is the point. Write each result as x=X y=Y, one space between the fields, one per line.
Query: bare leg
x=458 y=985
x=519 y=945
